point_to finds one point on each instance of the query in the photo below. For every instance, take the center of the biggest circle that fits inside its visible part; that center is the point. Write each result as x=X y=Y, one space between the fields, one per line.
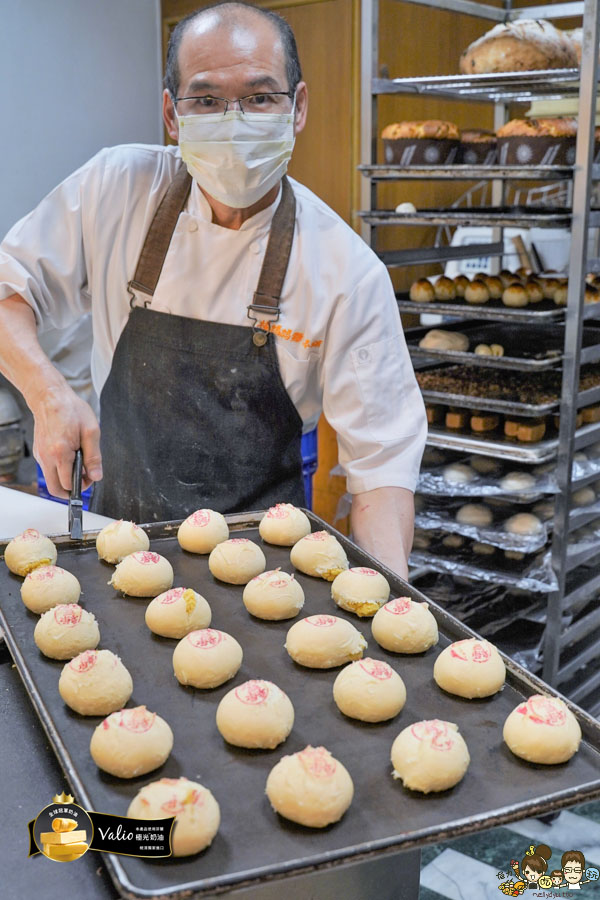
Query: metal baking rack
x=501 y=90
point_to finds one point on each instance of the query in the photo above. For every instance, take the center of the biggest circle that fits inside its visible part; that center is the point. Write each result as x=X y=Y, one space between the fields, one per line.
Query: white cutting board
x=19 y=511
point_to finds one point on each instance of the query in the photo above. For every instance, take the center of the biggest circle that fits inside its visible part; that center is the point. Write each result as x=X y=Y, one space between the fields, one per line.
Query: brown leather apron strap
x=161 y=230
x=265 y=302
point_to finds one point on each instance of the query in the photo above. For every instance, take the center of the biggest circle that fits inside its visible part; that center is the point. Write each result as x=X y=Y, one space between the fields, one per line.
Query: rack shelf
x=462 y=172
x=509 y=217
x=505 y=87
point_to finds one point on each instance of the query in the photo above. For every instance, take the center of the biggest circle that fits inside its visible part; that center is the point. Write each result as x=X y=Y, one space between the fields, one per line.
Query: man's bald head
x=232 y=13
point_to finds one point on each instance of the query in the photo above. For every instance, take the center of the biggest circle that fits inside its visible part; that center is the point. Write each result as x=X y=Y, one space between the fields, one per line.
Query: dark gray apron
x=195 y=414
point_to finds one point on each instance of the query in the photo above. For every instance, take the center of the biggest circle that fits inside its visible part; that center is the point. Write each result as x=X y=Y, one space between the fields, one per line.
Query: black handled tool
x=75 y=501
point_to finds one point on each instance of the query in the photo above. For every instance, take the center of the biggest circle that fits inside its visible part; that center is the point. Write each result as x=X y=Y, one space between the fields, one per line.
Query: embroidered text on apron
x=195 y=414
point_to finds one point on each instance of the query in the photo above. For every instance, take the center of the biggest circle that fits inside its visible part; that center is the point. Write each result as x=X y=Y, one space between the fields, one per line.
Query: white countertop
x=19 y=511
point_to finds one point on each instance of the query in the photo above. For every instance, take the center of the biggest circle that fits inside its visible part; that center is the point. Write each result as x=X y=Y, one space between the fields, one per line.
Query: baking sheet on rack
x=253 y=842
x=499 y=447
x=546 y=311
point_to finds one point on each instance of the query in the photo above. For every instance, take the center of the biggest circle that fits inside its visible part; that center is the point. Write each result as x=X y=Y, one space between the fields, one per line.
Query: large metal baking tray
x=517 y=86
x=519 y=344
x=504 y=449
x=474 y=401
x=495 y=310
x=462 y=172
x=253 y=843
x=496 y=216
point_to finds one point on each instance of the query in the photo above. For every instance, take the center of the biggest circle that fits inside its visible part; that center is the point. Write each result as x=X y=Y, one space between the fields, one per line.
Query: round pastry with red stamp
x=472 y=668
x=405 y=626
x=143 y=574
x=284 y=525
x=369 y=690
x=310 y=787
x=319 y=554
x=206 y=658
x=176 y=612
x=237 y=561
x=273 y=595
x=118 y=539
x=95 y=683
x=324 y=641
x=430 y=756
x=131 y=742
x=256 y=714
x=202 y=531
x=360 y=590
x=47 y=586
x=542 y=729
x=197 y=813
x=29 y=550
x=65 y=631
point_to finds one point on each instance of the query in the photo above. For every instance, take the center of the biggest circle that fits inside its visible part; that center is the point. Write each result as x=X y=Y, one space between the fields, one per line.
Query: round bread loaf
x=118 y=539
x=476 y=292
x=29 y=550
x=458 y=473
x=542 y=730
x=319 y=554
x=236 y=561
x=430 y=756
x=515 y=482
x=202 y=531
x=131 y=742
x=520 y=46
x=176 y=612
x=95 y=683
x=197 y=813
x=438 y=339
x=323 y=641
x=523 y=523
x=476 y=514
x=47 y=586
x=206 y=658
x=66 y=630
x=470 y=668
x=422 y=291
x=405 y=626
x=273 y=596
x=369 y=690
x=283 y=525
x=515 y=295
x=143 y=574
x=360 y=590
x=256 y=714
x=310 y=787
x=444 y=289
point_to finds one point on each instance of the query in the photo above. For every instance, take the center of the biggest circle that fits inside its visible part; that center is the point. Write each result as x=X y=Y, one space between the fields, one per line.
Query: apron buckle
x=133 y=300
x=267 y=313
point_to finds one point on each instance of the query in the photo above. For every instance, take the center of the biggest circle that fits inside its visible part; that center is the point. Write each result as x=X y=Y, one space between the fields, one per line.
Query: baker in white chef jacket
x=230 y=306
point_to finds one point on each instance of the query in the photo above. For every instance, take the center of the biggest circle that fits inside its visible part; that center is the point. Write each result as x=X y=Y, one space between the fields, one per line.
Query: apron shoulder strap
x=277 y=255
x=159 y=236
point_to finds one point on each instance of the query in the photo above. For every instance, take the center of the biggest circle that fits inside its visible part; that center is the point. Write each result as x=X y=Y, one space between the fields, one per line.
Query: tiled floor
x=468 y=869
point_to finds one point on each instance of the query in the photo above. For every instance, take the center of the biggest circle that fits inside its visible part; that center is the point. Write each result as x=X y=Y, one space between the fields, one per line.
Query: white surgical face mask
x=237 y=157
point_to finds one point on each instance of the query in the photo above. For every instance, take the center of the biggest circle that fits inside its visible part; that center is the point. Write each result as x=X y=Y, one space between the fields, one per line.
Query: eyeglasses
x=277 y=101
x=576 y=870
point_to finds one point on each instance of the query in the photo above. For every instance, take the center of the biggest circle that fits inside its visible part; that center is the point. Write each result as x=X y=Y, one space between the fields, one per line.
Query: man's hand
x=383 y=525
x=62 y=424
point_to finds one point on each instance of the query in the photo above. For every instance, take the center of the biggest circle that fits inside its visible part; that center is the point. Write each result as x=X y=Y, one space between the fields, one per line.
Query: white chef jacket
x=339 y=339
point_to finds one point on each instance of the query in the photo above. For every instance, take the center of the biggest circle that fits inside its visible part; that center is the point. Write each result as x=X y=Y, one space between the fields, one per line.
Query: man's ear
x=169 y=116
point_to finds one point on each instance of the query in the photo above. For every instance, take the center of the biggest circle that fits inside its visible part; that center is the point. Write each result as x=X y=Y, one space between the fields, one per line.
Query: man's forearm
x=383 y=524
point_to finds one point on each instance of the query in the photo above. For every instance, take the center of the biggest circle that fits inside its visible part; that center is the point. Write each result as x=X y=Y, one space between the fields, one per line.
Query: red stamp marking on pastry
x=200 y=518
x=44 y=573
x=317 y=536
x=169 y=780
x=376 y=668
x=542 y=711
x=238 y=541
x=434 y=731
x=68 y=614
x=279 y=583
x=321 y=621
x=398 y=607
x=205 y=638
x=137 y=720
x=30 y=534
x=318 y=761
x=364 y=571
x=173 y=595
x=252 y=692
x=474 y=649
x=280 y=511
x=146 y=557
x=85 y=661
x=173 y=806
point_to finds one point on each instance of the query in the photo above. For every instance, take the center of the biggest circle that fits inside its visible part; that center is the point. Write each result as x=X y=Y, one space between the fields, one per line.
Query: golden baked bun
x=564 y=126
x=515 y=295
x=460 y=283
x=444 y=289
x=422 y=291
x=477 y=292
x=521 y=46
x=535 y=292
x=494 y=286
x=435 y=129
